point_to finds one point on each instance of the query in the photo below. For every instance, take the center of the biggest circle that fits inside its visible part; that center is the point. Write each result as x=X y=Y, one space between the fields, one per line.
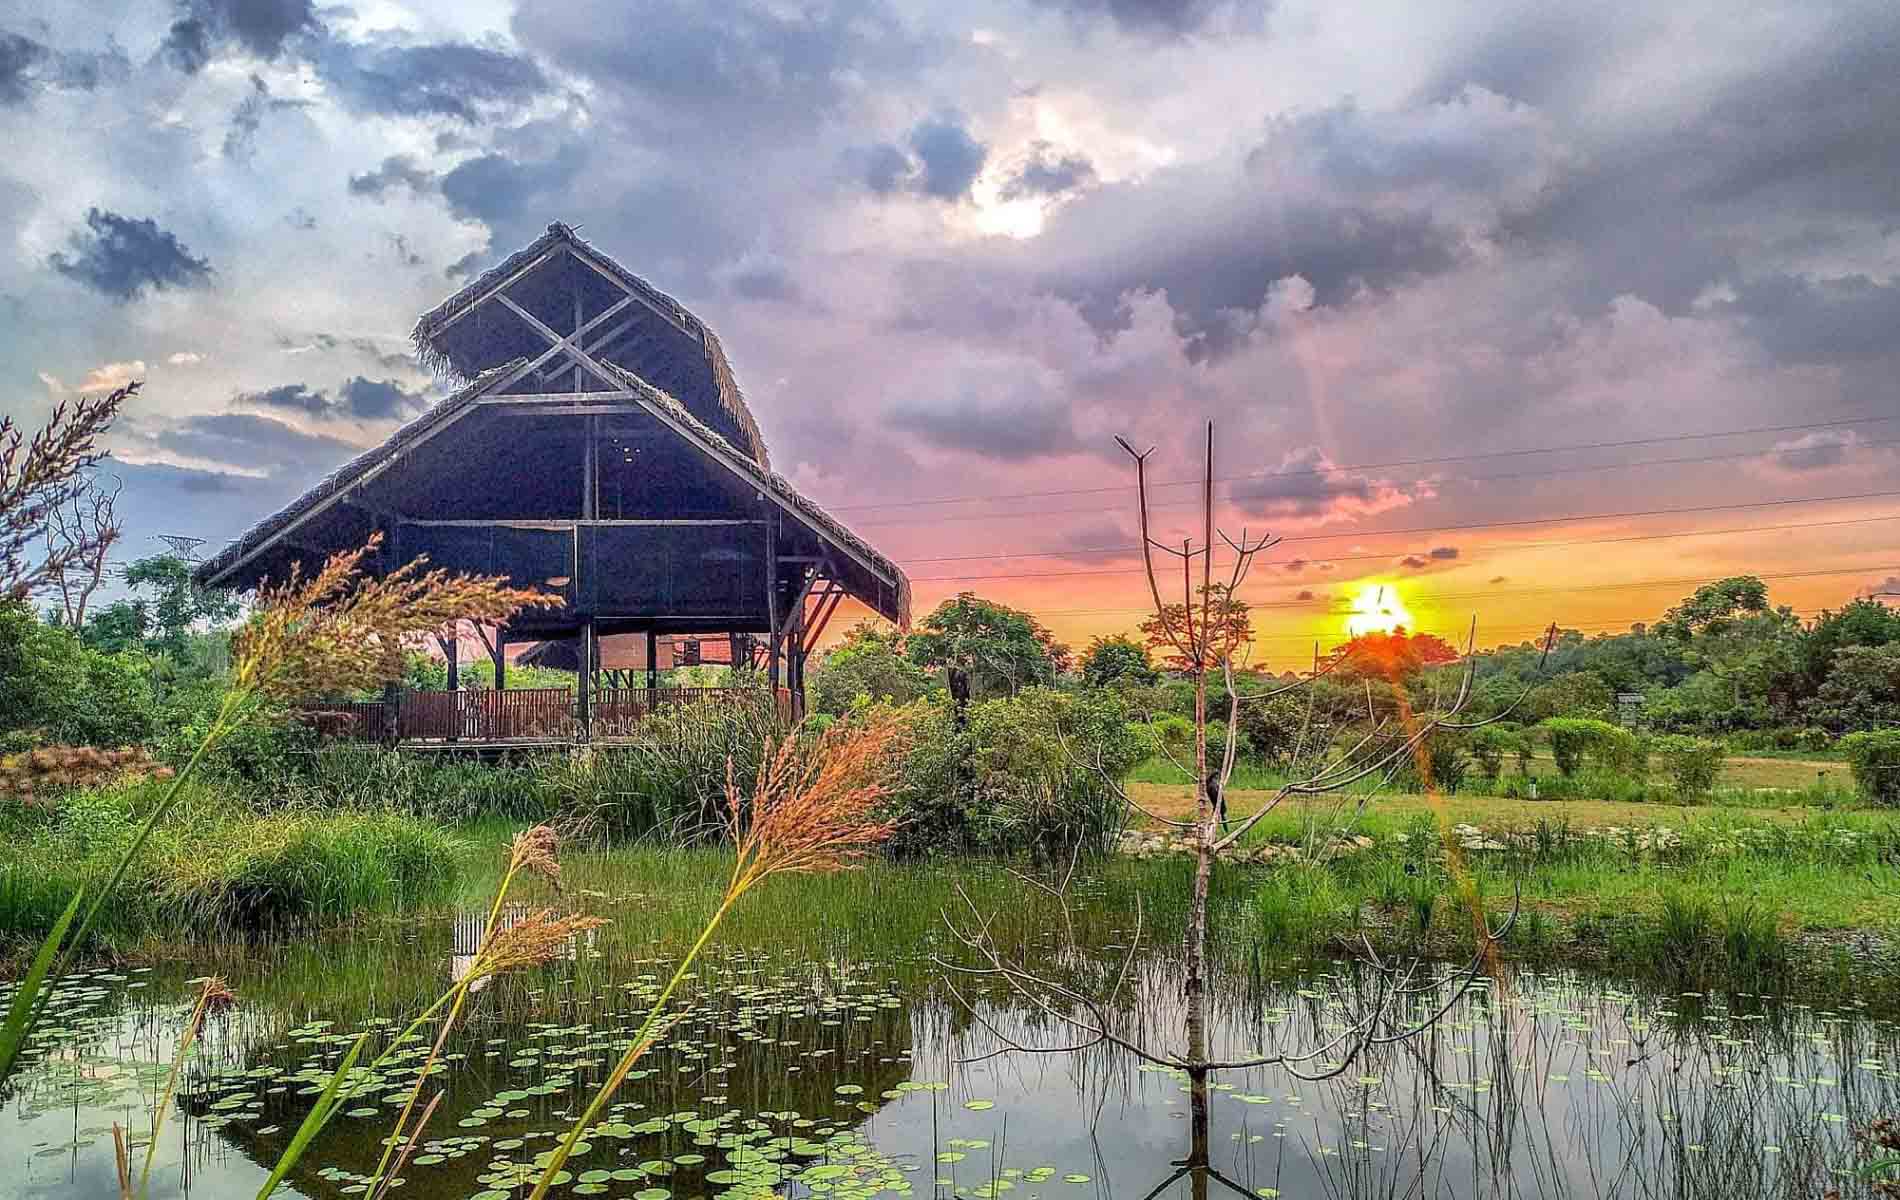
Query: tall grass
x=220 y=867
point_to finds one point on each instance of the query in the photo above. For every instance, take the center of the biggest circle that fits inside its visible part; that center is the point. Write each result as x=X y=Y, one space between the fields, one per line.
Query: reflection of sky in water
x=1555 y=1087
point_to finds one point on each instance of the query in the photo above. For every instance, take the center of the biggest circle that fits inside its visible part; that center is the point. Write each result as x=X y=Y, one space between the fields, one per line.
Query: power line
x=1408 y=462
x=1638 y=537
x=1586 y=587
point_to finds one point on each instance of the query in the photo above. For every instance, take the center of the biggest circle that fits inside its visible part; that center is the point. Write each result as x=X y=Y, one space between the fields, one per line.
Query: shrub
x=1874 y=756
x=1445 y=758
x=1692 y=763
x=1033 y=771
x=1488 y=746
x=1611 y=747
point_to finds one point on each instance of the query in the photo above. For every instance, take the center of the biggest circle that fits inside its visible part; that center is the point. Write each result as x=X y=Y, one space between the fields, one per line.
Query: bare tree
x=1206 y=631
x=79 y=534
x=42 y=474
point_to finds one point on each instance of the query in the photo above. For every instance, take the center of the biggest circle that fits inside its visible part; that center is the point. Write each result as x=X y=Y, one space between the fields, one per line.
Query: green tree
x=1728 y=629
x=1576 y=694
x=1118 y=659
x=1863 y=622
x=164 y=609
x=1862 y=691
x=869 y=663
x=983 y=648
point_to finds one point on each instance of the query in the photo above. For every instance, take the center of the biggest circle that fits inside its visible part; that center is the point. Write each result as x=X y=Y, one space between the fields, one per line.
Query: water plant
x=812 y=810
x=337 y=628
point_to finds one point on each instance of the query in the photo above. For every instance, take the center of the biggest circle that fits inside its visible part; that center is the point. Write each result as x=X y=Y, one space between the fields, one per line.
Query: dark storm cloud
x=949 y=157
x=398 y=170
x=378 y=399
x=1819 y=321
x=252 y=441
x=1308 y=484
x=357 y=398
x=759 y=276
x=500 y=191
x=297 y=396
x=884 y=168
x=1048 y=172
x=1006 y=422
x=1444 y=553
x=122 y=256
x=748 y=70
x=1170 y=17
x=441 y=79
x=27 y=66
x=259 y=27
x=1801 y=143
x=1347 y=199
x=940 y=158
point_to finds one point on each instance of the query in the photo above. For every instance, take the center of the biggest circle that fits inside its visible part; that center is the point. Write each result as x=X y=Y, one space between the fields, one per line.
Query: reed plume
x=814 y=808
x=214 y=996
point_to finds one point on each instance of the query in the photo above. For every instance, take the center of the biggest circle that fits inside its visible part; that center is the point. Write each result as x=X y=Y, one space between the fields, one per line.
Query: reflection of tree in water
x=1553 y=1086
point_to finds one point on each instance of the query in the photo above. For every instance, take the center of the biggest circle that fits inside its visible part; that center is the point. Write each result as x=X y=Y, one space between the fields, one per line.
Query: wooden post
x=653 y=667
x=583 y=696
x=392 y=711
x=451 y=646
x=771 y=602
x=501 y=659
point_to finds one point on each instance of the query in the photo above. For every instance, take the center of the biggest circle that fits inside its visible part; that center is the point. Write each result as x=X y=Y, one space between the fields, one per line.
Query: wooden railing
x=521 y=714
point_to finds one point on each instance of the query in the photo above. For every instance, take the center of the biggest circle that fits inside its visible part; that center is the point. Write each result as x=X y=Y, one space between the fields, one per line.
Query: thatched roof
x=828 y=526
x=884 y=586
x=337 y=482
x=706 y=385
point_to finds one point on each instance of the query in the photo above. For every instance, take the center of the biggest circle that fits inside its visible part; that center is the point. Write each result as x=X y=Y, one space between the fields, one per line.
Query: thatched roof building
x=599 y=447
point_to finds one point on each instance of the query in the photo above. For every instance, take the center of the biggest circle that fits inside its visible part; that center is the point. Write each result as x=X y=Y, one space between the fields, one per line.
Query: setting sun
x=1377 y=609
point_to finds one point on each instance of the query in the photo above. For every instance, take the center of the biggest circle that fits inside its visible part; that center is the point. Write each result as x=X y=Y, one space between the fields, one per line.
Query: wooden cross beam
x=569 y=344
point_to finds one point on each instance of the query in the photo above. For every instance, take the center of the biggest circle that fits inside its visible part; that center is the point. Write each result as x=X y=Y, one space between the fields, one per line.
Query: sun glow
x=1377 y=609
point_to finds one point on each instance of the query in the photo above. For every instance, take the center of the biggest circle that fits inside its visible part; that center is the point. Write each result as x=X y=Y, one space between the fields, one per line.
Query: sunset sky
x=1490 y=303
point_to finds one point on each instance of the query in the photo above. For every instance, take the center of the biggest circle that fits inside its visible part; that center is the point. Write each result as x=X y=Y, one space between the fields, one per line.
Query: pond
x=798 y=1074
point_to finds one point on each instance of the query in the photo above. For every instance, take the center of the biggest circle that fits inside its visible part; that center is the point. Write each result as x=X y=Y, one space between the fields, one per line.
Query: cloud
x=251 y=442
x=357 y=398
x=1444 y=553
x=1161 y=17
x=940 y=158
x=501 y=191
x=748 y=71
x=1499 y=579
x=1437 y=554
x=123 y=256
x=1047 y=172
x=951 y=159
x=1814 y=451
x=398 y=170
x=759 y=276
x=1803 y=320
x=107 y=377
x=438 y=79
x=1307 y=594
x=259 y=27
x=990 y=414
x=296 y=396
x=1350 y=200
x=27 y=66
x=1413 y=562
x=377 y=399
x=249 y=117
x=1891 y=585
x=1308 y=486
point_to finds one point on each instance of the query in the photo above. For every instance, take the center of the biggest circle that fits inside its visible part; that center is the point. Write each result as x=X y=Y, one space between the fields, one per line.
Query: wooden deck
x=522 y=716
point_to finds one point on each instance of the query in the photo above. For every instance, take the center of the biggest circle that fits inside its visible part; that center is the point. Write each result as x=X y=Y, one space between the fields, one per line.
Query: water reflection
x=1547 y=1085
